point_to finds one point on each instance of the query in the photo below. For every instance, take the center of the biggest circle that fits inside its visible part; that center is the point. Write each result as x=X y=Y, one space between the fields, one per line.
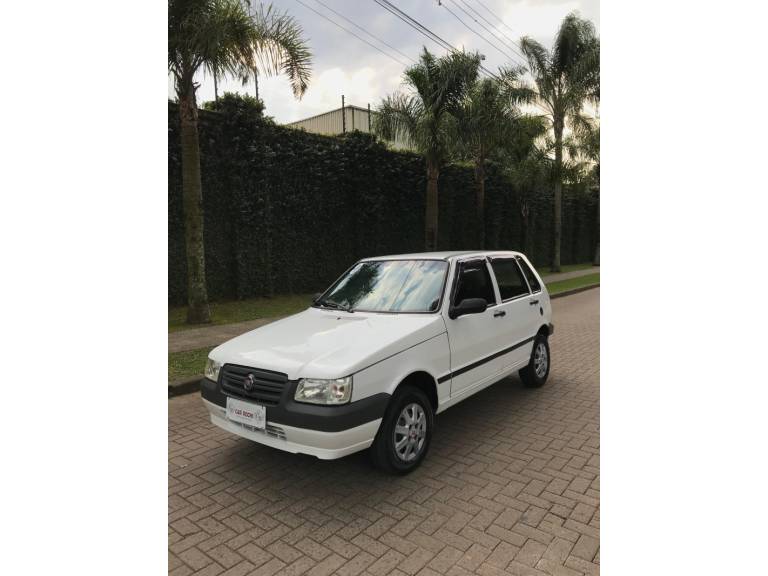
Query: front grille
x=267 y=386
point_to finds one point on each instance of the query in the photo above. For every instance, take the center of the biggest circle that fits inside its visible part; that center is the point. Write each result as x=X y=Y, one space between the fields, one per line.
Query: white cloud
x=345 y=65
x=541 y=20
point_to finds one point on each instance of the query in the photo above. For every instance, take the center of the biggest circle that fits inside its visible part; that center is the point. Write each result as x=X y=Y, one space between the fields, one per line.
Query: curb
x=574 y=291
x=191 y=385
x=184 y=386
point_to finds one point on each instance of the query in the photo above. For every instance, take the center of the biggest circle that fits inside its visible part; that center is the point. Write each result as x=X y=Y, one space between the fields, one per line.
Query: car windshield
x=389 y=286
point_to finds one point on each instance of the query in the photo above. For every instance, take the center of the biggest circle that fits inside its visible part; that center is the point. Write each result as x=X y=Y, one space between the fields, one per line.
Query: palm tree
x=222 y=37
x=486 y=119
x=422 y=117
x=566 y=77
x=586 y=146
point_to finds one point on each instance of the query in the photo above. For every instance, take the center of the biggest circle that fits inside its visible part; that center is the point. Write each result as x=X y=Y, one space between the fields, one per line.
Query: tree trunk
x=558 y=231
x=430 y=219
x=528 y=218
x=480 y=200
x=596 y=259
x=197 y=294
x=530 y=245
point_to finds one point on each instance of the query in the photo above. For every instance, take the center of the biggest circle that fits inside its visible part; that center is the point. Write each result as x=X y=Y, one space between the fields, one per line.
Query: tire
x=529 y=375
x=388 y=457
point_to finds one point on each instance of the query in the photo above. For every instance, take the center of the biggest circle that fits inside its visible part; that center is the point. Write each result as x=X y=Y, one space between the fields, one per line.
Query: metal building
x=341 y=120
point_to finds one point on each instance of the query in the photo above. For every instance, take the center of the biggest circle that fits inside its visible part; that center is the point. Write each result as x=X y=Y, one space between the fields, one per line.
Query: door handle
x=499 y=314
x=534 y=302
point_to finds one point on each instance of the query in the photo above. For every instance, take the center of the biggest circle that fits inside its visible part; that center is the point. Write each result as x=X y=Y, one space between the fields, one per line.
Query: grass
x=544 y=271
x=184 y=365
x=579 y=282
x=241 y=310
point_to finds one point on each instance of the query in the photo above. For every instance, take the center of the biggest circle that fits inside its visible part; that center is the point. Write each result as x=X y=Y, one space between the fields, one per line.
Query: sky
x=342 y=64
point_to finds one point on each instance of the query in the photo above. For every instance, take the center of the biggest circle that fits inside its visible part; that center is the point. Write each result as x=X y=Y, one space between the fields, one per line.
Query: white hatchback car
x=394 y=341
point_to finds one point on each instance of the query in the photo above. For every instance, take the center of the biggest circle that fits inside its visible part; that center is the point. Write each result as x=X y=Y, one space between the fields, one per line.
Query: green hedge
x=287 y=211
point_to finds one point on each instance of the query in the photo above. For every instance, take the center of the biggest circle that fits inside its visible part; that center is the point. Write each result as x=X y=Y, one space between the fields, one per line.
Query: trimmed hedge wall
x=287 y=211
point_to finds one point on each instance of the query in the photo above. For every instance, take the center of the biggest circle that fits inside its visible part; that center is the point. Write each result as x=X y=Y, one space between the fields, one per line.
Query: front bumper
x=326 y=432
x=323 y=445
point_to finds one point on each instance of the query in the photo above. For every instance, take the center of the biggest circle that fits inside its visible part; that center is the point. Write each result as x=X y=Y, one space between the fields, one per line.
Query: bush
x=287 y=211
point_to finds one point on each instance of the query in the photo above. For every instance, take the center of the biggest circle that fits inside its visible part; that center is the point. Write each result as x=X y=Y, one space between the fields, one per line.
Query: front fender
x=431 y=356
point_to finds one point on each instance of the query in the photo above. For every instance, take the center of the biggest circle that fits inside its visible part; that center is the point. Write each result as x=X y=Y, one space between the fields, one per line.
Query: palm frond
x=515 y=89
x=222 y=37
x=572 y=40
x=398 y=118
x=279 y=47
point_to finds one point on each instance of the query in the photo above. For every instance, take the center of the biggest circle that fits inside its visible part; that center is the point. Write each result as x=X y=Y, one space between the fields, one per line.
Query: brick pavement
x=511 y=485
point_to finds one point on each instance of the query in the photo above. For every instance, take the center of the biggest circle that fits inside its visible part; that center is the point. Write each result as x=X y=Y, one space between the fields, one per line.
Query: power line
x=415 y=24
x=475 y=32
x=484 y=19
x=494 y=15
x=536 y=104
x=422 y=29
x=348 y=31
x=364 y=30
x=491 y=30
x=419 y=27
x=524 y=59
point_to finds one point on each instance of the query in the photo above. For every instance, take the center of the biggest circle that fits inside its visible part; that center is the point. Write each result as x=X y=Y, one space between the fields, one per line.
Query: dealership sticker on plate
x=247 y=413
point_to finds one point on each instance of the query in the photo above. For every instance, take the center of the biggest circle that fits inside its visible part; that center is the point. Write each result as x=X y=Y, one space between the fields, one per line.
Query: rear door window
x=532 y=280
x=474 y=281
x=509 y=278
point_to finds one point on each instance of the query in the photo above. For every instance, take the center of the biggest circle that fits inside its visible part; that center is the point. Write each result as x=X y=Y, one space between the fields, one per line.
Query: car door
x=474 y=338
x=520 y=319
x=540 y=298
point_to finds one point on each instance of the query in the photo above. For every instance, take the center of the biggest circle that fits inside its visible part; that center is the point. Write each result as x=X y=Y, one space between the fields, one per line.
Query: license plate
x=247 y=413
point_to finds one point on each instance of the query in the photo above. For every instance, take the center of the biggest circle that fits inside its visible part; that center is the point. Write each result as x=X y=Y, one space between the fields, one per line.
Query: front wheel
x=537 y=371
x=405 y=432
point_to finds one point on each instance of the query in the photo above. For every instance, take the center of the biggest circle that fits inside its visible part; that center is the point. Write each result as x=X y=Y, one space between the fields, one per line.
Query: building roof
x=346 y=107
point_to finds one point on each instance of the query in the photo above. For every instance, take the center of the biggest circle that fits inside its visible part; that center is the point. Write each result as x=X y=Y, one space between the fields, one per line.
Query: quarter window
x=474 y=281
x=532 y=280
x=509 y=278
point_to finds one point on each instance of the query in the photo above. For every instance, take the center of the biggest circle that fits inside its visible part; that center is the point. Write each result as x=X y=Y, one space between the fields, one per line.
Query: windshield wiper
x=334 y=305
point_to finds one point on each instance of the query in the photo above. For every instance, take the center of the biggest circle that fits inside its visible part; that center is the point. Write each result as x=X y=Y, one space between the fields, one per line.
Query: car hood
x=328 y=344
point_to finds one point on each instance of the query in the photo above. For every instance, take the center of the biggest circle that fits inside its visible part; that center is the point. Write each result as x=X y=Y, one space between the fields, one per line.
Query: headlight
x=315 y=391
x=212 y=370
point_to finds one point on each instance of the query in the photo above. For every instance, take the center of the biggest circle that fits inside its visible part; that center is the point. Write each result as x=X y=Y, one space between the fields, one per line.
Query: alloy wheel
x=540 y=360
x=410 y=432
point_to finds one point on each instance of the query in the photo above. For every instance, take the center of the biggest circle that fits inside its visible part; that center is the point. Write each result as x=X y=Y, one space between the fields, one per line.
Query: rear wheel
x=405 y=432
x=537 y=371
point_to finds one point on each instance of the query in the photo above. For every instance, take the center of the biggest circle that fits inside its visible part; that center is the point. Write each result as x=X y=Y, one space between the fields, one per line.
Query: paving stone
x=511 y=486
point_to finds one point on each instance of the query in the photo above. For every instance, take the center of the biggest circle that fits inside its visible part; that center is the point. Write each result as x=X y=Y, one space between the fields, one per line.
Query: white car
x=394 y=341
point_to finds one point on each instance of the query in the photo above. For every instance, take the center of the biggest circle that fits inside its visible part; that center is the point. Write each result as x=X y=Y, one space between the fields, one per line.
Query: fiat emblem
x=249 y=383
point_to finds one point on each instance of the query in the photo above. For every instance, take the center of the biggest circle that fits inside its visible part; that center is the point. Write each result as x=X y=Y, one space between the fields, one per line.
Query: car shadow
x=483 y=418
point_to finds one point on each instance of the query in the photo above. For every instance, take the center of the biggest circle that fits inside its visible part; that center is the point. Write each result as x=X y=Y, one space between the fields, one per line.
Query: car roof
x=449 y=255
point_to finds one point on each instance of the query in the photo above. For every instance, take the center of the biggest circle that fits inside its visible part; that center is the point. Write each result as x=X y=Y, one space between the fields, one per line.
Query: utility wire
x=419 y=27
x=347 y=30
x=366 y=31
x=475 y=32
x=415 y=24
x=536 y=104
x=490 y=30
x=496 y=28
x=494 y=15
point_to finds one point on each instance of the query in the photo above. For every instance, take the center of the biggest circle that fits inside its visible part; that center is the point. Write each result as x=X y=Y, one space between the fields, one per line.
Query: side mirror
x=468 y=306
x=316 y=297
